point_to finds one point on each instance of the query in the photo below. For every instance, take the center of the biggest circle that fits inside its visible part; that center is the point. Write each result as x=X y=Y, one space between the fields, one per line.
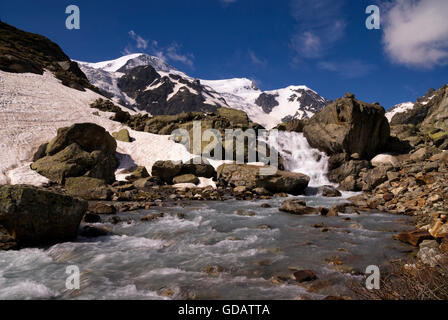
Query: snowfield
x=33 y=107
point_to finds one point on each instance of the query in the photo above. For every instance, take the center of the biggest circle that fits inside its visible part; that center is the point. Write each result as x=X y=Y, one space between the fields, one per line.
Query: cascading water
x=299 y=157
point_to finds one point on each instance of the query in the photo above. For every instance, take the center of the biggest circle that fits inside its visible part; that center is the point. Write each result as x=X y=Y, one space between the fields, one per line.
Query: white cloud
x=141 y=43
x=170 y=53
x=227 y=2
x=173 y=54
x=320 y=24
x=255 y=59
x=416 y=32
x=349 y=69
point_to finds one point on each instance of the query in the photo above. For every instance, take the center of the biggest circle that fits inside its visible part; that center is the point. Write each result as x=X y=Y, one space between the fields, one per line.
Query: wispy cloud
x=320 y=24
x=416 y=32
x=227 y=2
x=166 y=53
x=255 y=59
x=141 y=43
x=349 y=69
x=172 y=52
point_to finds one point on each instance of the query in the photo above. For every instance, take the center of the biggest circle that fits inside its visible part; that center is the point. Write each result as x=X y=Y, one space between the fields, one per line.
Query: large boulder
x=349 y=126
x=285 y=182
x=203 y=169
x=166 y=170
x=84 y=149
x=236 y=175
x=88 y=136
x=35 y=217
x=88 y=188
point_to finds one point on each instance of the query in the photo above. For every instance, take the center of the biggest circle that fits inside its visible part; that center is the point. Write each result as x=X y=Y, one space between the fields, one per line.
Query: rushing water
x=300 y=157
x=248 y=246
x=167 y=258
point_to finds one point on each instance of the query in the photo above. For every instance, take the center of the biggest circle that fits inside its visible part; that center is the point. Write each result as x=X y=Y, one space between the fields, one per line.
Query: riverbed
x=210 y=250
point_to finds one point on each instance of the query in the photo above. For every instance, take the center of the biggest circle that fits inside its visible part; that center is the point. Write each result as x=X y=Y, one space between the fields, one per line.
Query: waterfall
x=299 y=157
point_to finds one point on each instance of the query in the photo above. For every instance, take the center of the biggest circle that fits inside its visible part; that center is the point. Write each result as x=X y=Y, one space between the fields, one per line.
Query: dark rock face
x=84 y=149
x=349 y=126
x=34 y=217
x=21 y=52
x=238 y=175
x=137 y=80
x=309 y=101
x=155 y=94
x=267 y=102
x=429 y=112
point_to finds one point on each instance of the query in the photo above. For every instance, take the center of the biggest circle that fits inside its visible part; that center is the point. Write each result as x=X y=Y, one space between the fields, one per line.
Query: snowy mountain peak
x=165 y=90
x=238 y=86
x=129 y=62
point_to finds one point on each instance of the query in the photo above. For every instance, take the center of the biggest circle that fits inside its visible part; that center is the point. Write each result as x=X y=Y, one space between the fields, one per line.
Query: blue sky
x=323 y=44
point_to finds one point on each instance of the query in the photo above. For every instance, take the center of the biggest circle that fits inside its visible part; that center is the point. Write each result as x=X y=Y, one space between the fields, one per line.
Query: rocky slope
x=147 y=83
x=25 y=52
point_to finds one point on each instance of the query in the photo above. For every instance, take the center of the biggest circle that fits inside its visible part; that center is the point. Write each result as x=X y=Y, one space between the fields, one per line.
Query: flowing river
x=215 y=250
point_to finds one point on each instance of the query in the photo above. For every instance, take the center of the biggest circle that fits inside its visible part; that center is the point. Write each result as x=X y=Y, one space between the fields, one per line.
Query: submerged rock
x=298 y=207
x=34 y=217
x=330 y=192
x=304 y=276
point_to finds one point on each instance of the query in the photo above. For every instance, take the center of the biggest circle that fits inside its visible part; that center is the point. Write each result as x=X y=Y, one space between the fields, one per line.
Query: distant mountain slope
x=269 y=108
x=147 y=83
x=25 y=52
x=413 y=112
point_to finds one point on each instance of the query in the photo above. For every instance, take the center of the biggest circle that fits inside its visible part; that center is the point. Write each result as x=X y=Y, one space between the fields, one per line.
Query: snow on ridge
x=34 y=106
x=111 y=65
x=399 y=108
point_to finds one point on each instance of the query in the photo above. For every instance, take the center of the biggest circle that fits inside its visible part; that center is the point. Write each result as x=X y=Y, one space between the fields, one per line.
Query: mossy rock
x=122 y=135
x=70 y=162
x=87 y=188
x=139 y=173
x=88 y=136
x=438 y=136
x=36 y=217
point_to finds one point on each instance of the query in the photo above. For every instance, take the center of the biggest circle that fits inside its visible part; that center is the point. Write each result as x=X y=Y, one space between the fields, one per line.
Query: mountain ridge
x=269 y=108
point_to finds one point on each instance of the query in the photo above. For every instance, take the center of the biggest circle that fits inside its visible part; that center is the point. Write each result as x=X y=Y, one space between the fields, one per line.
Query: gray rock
x=35 y=217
